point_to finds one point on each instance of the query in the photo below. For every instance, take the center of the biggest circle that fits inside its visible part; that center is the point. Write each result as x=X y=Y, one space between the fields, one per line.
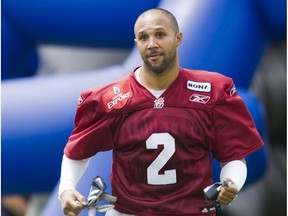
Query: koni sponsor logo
x=199 y=86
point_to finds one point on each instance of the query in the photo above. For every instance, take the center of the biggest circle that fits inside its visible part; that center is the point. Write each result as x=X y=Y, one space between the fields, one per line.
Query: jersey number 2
x=153 y=176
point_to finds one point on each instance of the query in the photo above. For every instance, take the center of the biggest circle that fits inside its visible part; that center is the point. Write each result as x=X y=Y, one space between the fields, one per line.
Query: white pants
x=113 y=212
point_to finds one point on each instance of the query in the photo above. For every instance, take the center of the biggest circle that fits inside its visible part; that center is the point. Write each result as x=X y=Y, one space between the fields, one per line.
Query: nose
x=152 y=43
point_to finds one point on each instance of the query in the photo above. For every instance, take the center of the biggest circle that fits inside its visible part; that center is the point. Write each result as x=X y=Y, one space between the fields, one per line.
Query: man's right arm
x=71 y=172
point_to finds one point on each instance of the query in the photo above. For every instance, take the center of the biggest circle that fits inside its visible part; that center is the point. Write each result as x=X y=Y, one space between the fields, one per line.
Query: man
x=162 y=122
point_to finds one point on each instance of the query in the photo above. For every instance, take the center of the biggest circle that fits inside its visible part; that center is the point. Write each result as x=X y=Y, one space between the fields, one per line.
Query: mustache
x=153 y=53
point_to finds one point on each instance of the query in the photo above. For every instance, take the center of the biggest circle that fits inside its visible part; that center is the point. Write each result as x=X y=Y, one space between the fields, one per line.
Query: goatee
x=162 y=67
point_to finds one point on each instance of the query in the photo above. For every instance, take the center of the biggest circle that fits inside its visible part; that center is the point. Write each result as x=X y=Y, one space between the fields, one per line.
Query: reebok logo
x=199 y=86
x=199 y=98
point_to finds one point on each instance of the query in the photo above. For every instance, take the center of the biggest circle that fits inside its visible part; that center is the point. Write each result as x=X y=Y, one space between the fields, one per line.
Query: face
x=157 y=42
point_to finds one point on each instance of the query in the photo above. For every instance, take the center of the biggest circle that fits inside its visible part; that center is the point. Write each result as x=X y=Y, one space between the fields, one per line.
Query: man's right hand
x=72 y=202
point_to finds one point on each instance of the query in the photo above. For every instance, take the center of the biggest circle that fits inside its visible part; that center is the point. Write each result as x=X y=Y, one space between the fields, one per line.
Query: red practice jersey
x=161 y=146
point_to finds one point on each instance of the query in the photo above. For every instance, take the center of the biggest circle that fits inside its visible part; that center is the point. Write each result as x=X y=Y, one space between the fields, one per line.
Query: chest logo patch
x=199 y=86
x=117 y=96
x=159 y=103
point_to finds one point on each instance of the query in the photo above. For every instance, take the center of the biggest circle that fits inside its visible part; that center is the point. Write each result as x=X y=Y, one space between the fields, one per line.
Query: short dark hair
x=167 y=13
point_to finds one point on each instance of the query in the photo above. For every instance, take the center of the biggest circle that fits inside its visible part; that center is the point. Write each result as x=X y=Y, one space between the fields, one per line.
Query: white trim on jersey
x=156 y=93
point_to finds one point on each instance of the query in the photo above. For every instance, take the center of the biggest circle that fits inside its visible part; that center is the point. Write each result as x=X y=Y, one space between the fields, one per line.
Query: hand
x=72 y=202
x=227 y=193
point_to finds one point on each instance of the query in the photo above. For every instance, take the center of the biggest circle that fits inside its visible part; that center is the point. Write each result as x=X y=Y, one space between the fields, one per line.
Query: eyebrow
x=157 y=29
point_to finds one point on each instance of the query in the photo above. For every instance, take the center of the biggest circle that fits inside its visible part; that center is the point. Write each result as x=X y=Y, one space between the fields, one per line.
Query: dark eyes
x=159 y=35
x=143 y=37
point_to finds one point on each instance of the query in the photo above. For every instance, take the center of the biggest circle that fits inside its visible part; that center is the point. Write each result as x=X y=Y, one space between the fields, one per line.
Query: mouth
x=154 y=56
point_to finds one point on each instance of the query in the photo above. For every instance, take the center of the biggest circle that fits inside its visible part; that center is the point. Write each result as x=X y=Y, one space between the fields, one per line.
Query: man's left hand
x=227 y=193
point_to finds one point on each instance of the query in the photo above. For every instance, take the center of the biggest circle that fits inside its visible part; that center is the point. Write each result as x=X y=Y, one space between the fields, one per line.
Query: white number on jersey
x=153 y=176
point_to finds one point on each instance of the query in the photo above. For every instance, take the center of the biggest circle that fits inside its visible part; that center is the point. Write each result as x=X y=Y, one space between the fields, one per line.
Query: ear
x=135 y=41
x=179 y=38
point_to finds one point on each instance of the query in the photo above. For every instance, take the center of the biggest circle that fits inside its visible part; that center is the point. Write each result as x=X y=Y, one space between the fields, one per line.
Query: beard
x=162 y=66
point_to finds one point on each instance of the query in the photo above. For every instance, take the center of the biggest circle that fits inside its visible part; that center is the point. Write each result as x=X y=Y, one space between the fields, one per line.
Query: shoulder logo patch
x=233 y=90
x=199 y=86
x=117 y=96
x=80 y=100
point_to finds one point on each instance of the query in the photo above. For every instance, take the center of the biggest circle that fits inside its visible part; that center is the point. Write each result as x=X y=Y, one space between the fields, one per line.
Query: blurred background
x=52 y=50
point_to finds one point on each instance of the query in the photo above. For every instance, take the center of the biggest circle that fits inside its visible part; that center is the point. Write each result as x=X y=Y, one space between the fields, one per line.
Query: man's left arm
x=235 y=174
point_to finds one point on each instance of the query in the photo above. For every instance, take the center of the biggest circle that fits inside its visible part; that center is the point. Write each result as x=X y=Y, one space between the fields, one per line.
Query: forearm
x=71 y=173
x=236 y=171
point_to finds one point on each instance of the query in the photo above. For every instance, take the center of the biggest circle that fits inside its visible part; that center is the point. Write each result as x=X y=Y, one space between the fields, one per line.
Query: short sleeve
x=92 y=133
x=236 y=135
